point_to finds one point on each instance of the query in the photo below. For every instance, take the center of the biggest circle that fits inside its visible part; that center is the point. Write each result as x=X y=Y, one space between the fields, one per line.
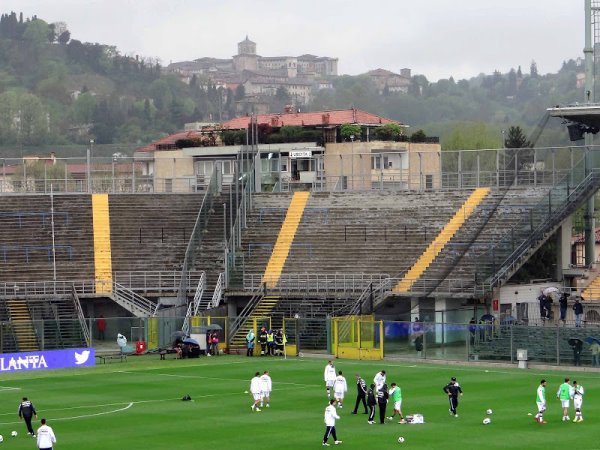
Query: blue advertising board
x=52 y=359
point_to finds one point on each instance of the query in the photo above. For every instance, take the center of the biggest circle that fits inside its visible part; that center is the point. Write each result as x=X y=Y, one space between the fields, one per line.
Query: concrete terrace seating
x=151 y=232
x=211 y=257
x=35 y=231
x=514 y=206
x=379 y=232
x=148 y=232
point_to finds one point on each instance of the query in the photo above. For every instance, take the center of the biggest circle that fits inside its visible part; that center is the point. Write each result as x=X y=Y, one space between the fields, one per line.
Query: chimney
x=325 y=118
x=405 y=73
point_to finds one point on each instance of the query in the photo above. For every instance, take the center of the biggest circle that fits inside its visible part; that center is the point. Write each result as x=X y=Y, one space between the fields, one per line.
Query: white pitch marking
x=8 y=388
x=82 y=416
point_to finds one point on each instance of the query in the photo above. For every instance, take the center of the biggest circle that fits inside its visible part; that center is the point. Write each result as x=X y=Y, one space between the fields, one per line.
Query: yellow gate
x=358 y=337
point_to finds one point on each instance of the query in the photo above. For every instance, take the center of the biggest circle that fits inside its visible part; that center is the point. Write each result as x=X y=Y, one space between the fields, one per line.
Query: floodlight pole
x=588 y=52
x=53 y=246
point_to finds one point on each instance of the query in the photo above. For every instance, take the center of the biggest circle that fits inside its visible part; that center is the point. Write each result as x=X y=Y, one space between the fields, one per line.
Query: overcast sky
x=436 y=38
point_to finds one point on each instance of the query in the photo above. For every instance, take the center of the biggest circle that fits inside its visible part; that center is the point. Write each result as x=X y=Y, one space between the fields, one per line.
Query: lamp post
x=352 y=159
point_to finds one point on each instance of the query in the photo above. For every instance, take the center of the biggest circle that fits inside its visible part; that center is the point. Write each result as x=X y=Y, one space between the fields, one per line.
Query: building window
x=375 y=162
x=204 y=168
x=227 y=167
x=168 y=185
x=428 y=181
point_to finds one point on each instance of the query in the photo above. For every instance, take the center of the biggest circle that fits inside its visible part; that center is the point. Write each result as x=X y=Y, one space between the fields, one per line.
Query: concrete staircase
x=263 y=309
x=22 y=325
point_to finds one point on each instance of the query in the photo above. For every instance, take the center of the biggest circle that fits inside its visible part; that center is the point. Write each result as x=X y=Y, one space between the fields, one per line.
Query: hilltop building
x=262 y=75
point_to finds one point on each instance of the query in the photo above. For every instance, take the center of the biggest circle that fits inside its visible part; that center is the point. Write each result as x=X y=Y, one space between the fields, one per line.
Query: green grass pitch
x=136 y=405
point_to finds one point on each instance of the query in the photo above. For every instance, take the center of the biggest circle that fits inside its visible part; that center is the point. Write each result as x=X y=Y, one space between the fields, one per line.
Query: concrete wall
x=174 y=166
x=353 y=160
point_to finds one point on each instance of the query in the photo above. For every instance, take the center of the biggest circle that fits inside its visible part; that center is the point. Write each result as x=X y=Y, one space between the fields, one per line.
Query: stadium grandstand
x=182 y=233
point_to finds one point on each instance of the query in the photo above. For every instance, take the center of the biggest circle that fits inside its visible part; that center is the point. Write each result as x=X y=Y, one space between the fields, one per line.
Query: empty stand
x=441 y=239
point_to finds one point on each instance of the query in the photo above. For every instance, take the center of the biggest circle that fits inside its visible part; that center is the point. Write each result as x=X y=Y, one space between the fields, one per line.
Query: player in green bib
x=396 y=396
x=541 y=402
x=564 y=395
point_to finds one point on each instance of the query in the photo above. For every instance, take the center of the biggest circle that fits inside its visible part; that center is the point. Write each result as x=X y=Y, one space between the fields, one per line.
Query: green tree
x=33 y=120
x=64 y=37
x=84 y=108
x=516 y=138
x=240 y=92
x=35 y=173
x=389 y=132
x=9 y=112
x=418 y=136
x=36 y=34
x=347 y=130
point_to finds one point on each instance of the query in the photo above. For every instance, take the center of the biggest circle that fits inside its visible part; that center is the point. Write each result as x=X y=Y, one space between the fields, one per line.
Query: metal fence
x=491 y=341
x=379 y=170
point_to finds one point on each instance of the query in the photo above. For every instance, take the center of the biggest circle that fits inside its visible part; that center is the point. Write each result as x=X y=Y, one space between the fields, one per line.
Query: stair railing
x=199 y=293
x=194 y=305
x=133 y=300
x=82 y=322
x=506 y=255
x=218 y=293
x=232 y=261
x=196 y=237
x=258 y=295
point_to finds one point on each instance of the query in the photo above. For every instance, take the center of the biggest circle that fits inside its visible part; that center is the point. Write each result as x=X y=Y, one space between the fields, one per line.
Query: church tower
x=246 y=59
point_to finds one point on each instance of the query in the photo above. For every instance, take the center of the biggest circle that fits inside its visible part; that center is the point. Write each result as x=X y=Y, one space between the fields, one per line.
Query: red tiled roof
x=580 y=238
x=170 y=140
x=315 y=118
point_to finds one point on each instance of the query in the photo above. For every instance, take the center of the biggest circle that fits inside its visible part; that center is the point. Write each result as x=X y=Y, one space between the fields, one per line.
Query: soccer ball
x=489 y=411
x=486 y=421
x=400 y=440
x=13 y=433
x=1 y=438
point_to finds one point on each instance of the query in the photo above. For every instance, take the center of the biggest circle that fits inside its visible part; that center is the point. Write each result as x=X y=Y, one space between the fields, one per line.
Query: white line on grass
x=8 y=388
x=82 y=416
x=129 y=405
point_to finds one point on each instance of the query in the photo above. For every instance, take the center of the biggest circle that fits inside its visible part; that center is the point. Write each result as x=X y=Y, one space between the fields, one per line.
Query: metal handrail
x=239 y=321
x=134 y=300
x=554 y=217
x=156 y=281
x=81 y=317
x=196 y=236
x=199 y=293
x=218 y=293
x=314 y=282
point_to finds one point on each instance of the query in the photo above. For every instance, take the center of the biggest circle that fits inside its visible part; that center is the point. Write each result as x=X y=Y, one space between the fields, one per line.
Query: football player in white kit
x=256 y=391
x=577 y=396
x=339 y=387
x=267 y=387
x=379 y=379
x=329 y=376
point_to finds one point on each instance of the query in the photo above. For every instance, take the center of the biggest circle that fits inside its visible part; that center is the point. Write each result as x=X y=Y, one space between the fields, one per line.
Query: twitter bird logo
x=82 y=357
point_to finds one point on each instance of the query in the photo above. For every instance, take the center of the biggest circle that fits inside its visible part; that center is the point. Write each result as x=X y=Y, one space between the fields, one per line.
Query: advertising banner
x=53 y=359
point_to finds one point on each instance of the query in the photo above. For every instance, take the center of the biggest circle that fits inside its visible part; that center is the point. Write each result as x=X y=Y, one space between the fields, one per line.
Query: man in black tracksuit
x=371 y=402
x=453 y=390
x=361 y=388
x=26 y=412
x=382 y=399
